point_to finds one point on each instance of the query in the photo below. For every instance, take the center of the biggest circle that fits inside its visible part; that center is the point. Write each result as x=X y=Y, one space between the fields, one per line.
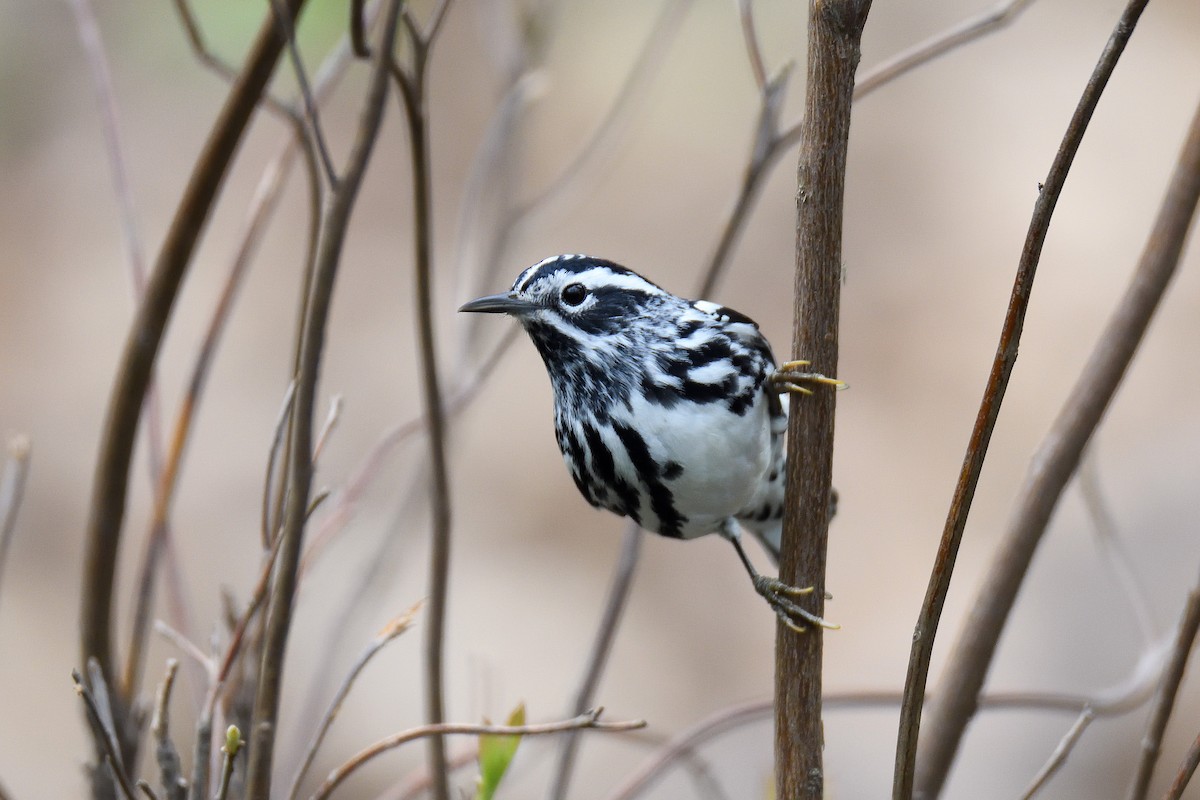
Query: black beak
x=507 y=303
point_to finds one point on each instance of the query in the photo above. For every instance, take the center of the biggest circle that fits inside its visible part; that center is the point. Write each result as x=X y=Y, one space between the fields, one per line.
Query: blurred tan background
x=943 y=175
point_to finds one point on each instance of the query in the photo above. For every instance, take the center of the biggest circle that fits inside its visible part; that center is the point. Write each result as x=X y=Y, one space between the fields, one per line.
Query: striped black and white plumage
x=667 y=410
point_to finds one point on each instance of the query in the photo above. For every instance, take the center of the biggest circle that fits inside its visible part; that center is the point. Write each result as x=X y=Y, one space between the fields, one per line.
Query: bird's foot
x=791 y=377
x=782 y=598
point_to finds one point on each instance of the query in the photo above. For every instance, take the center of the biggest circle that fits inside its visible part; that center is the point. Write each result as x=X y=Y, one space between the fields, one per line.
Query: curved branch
x=102 y=541
x=588 y=721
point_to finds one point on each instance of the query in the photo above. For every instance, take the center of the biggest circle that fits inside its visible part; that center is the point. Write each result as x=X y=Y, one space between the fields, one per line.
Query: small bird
x=666 y=410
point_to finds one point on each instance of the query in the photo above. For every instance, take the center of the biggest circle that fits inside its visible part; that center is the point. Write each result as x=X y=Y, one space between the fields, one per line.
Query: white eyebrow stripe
x=603 y=277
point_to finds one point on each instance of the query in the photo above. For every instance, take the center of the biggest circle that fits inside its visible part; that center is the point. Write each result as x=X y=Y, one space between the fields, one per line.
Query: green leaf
x=496 y=752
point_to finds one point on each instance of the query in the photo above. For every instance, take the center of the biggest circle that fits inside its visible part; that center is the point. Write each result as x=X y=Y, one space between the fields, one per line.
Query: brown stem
x=141 y=348
x=1053 y=464
x=834 y=34
x=1187 y=769
x=279 y=610
x=413 y=85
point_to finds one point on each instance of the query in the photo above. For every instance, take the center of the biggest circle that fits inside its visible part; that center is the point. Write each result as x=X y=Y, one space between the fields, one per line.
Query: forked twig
x=287 y=29
x=413 y=84
x=1056 y=459
x=772 y=142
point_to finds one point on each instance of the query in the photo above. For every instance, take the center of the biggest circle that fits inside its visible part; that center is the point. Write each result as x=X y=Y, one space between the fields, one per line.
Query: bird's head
x=575 y=301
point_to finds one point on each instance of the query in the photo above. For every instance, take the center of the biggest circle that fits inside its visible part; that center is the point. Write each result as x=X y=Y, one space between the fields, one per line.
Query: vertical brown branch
x=141 y=349
x=834 y=33
x=334 y=225
x=413 y=90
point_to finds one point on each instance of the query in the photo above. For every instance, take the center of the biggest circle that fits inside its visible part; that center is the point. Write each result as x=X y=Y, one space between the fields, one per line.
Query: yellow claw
x=790 y=377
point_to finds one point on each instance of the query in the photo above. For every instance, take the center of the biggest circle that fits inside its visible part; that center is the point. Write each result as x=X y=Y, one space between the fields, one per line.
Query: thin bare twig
x=1058 y=456
x=634 y=88
x=1130 y=693
x=993 y=19
x=186 y=646
x=273 y=455
x=1164 y=701
x=753 y=48
x=1187 y=768
x=99 y=713
x=589 y=721
x=233 y=651
x=358 y=30
x=287 y=30
x=169 y=769
x=413 y=85
x=617 y=597
x=386 y=635
x=1059 y=756
x=687 y=742
x=1140 y=684
x=369 y=469
x=331 y=421
x=93 y=46
x=333 y=232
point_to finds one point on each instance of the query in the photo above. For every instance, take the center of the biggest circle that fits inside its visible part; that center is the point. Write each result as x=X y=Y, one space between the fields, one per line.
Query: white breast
x=724 y=457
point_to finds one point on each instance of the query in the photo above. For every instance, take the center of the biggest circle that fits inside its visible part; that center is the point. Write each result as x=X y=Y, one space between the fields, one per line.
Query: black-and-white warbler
x=667 y=410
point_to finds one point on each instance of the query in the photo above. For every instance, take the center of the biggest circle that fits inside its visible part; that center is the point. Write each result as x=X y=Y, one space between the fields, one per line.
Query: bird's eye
x=574 y=294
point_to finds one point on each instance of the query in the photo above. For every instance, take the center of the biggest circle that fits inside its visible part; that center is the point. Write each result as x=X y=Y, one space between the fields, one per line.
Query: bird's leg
x=791 y=377
x=779 y=595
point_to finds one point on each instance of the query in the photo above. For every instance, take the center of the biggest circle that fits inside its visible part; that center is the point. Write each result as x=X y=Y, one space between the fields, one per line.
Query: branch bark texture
x=834 y=35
